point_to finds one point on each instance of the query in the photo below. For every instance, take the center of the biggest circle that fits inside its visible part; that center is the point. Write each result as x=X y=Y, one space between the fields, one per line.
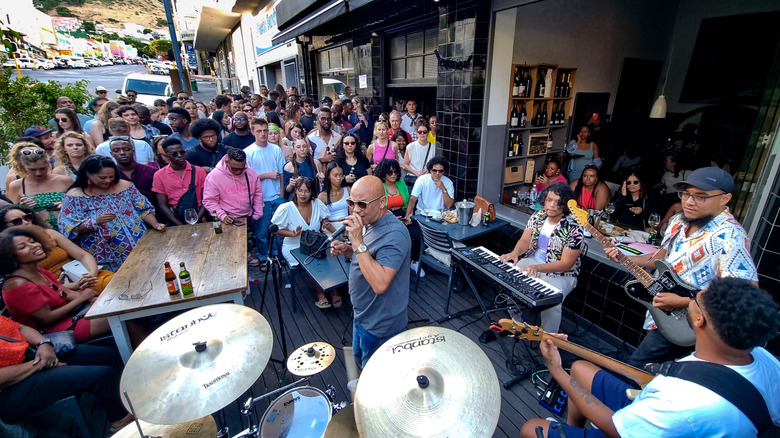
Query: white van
x=23 y=61
x=148 y=87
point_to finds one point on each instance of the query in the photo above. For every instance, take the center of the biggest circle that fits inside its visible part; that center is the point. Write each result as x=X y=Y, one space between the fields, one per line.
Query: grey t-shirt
x=389 y=244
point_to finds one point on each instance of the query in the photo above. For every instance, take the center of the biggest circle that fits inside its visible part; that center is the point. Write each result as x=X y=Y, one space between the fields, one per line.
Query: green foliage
x=25 y=102
x=160 y=47
x=88 y=26
x=63 y=11
x=46 y=5
x=147 y=31
x=161 y=22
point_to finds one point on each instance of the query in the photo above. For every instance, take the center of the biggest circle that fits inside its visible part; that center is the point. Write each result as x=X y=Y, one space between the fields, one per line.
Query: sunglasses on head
x=32 y=151
x=361 y=204
x=20 y=220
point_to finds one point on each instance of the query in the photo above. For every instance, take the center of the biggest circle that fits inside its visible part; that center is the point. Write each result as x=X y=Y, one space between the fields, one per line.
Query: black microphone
x=273 y=228
x=338 y=233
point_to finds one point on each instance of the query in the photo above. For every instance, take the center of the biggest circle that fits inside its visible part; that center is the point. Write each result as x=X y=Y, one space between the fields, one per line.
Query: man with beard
x=141 y=175
x=241 y=137
x=145 y=118
x=308 y=118
x=179 y=120
x=701 y=243
x=323 y=141
x=257 y=105
x=208 y=153
x=67 y=102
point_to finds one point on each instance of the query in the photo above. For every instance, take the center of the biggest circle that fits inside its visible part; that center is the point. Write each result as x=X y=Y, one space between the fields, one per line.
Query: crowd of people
x=88 y=190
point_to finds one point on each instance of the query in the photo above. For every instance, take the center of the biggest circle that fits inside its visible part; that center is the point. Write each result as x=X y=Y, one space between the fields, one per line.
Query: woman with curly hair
x=37 y=187
x=99 y=128
x=70 y=151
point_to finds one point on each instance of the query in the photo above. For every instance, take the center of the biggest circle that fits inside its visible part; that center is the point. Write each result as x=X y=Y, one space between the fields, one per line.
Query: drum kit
x=427 y=381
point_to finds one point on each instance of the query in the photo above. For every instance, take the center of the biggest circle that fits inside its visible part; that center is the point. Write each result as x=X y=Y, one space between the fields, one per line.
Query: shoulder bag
x=188 y=200
x=313 y=243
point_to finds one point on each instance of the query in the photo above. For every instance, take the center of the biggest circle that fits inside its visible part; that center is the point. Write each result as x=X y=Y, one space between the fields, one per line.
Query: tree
x=62 y=11
x=147 y=31
x=160 y=47
x=88 y=26
x=161 y=22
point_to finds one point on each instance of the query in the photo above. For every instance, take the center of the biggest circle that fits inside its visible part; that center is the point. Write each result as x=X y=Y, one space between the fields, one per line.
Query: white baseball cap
x=100 y=88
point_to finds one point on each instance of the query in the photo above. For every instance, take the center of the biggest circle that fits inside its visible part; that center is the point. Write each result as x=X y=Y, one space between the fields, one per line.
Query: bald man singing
x=380 y=249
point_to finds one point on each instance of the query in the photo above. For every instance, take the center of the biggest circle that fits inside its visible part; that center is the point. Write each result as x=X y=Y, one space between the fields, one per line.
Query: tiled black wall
x=463 y=35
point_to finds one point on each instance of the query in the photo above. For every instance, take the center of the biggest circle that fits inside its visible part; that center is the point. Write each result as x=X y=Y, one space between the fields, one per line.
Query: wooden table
x=462 y=232
x=217 y=265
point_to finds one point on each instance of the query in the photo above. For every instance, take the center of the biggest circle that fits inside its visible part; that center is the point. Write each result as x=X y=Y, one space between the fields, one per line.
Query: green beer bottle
x=217 y=223
x=185 y=281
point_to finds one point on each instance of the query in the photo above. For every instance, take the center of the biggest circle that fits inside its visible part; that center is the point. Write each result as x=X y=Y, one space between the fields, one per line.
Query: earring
x=89 y=185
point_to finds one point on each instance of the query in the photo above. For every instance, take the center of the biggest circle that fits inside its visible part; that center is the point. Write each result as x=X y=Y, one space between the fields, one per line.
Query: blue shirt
x=263 y=159
x=191 y=143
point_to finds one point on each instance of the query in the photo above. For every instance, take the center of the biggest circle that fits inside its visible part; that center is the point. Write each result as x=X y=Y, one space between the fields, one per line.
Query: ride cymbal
x=428 y=382
x=197 y=363
x=310 y=359
x=204 y=427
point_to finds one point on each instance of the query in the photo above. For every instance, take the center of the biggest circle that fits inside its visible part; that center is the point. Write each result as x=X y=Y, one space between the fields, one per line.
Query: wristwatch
x=45 y=341
x=361 y=249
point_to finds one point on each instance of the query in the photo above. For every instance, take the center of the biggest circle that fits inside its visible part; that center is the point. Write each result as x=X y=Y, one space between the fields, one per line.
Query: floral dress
x=111 y=242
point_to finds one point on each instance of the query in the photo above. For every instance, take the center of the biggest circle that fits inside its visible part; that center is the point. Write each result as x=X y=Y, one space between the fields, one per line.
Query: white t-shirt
x=407 y=124
x=672 y=407
x=319 y=145
x=544 y=241
x=143 y=152
x=428 y=195
x=262 y=159
x=418 y=153
x=287 y=217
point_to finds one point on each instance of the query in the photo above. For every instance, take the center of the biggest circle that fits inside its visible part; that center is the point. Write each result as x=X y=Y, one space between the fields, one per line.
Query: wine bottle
x=518 y=144
x=520 y=84
x=529 y=83
x=566 y=86
x=558 y=81
x=562 y=113
x=516 y=83
x=547 y=83
x=544 y=114
x=540 y=84
x=510 y=148
x=514 y=117
x=514 y=197
x=549 y=140
x=554 y=116
x=523 y=115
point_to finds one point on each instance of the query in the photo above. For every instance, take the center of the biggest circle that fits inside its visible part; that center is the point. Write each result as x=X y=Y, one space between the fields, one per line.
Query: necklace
x=393 y=193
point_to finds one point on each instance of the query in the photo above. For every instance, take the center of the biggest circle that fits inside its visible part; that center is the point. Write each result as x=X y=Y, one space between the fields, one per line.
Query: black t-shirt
x=360 y=168
x=623 y=214
x=198 y=156
x=162 y=127
x=238 y=141
x=308 y=122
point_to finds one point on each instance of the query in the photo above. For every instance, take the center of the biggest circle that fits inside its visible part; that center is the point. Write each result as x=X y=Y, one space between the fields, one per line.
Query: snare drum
x=300 y=412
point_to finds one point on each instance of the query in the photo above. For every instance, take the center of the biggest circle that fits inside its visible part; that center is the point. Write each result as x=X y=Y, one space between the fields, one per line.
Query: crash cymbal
x=310 y=359
x=171 y=380
x=428 y=381
x=204 y=427
x=342 y=425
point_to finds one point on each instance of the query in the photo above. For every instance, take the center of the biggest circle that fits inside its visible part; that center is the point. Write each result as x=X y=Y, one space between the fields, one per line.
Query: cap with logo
x=708 y=178
x=36 y=131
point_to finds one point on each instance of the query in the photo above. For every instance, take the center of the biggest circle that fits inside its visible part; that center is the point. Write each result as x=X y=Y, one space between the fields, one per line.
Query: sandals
x=264 y=266
x=323 y=304
x=337 y=302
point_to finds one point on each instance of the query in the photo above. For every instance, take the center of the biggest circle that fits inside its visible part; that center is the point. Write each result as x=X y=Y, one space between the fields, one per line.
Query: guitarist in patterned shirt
x=701 y=243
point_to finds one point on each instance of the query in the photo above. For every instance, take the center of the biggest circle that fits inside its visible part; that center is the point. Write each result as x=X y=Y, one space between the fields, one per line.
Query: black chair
x=438 y=241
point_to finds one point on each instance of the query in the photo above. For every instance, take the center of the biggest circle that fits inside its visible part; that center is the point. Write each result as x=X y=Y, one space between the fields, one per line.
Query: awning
x=322 y=15
x=214 y=25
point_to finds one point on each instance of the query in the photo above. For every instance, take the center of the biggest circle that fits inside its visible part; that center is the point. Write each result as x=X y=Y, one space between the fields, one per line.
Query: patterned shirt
x=567 y=234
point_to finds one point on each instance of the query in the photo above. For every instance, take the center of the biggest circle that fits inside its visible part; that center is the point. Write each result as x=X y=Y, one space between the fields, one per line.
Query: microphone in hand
x=338 y=233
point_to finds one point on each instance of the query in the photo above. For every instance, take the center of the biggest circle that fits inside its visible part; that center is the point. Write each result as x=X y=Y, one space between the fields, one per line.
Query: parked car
x=91 y=62
x=60 y=62
x=76 y=62
x=104 y=62
x=47 y=64
x=23 y=61
x=148 y=87
x=158 y=69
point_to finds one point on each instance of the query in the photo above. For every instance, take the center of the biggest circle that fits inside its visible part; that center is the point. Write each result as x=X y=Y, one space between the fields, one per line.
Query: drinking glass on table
x=191 y=216
x=653 y=221
x=609 y=209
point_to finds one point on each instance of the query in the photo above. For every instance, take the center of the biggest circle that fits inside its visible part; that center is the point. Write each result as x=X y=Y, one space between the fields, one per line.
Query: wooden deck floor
x=310 y=324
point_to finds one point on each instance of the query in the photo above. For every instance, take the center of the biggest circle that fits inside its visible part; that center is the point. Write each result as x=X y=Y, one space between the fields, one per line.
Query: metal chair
x=439 y=241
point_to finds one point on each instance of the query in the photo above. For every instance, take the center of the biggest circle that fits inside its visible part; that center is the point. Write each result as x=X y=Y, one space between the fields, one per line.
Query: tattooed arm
x=586 y=403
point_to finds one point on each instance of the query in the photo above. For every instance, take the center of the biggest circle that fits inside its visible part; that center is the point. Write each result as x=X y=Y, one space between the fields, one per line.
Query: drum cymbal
x=428 y=381
x=204 y=427
x=342 y=425
x=171 y=380
x=310 y=359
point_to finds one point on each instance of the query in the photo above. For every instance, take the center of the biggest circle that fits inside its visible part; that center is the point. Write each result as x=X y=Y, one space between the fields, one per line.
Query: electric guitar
x=522 y=330
x=673 y=325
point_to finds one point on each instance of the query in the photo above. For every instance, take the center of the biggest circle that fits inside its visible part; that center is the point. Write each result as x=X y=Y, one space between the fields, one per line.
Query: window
x=337 y=71
x=412 y=57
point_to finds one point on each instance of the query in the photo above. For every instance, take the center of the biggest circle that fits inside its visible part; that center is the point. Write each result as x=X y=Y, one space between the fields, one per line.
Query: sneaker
x=414 y=266
x=253 y=260
x=352 y=385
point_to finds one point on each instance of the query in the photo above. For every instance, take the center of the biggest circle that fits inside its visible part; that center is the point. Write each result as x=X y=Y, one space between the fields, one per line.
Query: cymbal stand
x=276 y=272
x=246 y=410
x=135 y=418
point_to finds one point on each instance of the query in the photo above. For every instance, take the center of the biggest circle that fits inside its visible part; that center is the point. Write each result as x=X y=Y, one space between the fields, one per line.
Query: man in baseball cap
x=44 y=135
x=100 y=91
x=701 y=243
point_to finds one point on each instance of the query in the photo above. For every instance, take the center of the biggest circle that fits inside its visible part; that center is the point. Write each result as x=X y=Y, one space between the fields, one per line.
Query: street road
x=112 y=77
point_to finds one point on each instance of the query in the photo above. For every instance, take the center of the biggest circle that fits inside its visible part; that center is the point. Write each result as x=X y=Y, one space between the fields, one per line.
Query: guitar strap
x=725 y=382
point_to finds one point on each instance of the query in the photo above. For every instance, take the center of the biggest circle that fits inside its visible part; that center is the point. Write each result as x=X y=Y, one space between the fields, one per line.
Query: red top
x=587 y=198
x=11 y=353
x=30 y=297
x=396 y=201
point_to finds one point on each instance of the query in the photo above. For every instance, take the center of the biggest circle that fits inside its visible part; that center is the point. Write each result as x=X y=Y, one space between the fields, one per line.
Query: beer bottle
x=184 y=280
x=170 y=280
x=217 y=223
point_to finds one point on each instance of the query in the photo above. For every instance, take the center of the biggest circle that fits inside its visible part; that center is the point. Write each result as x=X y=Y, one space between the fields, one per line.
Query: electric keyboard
x=533 y=292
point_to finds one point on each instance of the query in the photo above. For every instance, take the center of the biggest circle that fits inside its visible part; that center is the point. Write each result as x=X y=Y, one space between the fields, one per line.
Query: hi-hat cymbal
x=342 y=425
x=204 y=427
x=171 y=380
x=428 y=382
x=310 y=359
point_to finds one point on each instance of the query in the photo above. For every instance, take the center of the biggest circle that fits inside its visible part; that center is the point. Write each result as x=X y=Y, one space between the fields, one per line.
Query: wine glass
x=610 y=208
x=653 y=221
x=191 y=216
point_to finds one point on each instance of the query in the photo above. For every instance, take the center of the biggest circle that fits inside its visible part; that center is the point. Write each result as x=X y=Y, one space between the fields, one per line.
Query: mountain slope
x=113 y=13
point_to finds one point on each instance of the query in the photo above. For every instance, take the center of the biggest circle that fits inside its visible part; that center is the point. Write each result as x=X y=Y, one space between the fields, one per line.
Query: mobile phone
x=239 y=223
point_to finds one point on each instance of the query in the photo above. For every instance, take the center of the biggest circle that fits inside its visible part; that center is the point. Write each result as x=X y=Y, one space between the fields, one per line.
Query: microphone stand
x=276 y=272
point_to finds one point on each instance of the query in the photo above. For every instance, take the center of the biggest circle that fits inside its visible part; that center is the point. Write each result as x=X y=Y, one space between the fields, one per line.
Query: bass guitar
x=522 y=330
x=672 y=325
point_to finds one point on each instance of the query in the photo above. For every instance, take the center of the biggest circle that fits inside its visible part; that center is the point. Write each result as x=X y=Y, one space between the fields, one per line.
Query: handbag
x=483 y=204
x=188 y=200
x=73 y=270
x=63 y=342
x=313 y=243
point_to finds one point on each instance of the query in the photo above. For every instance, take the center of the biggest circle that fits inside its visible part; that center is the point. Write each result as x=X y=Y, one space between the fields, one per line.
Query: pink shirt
x=168 y=182
x=559 y=179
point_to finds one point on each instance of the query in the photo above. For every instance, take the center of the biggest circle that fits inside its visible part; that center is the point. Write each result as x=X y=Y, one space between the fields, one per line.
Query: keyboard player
x=550 y=247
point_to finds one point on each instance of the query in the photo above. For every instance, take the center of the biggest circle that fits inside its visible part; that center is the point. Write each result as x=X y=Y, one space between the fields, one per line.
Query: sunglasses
x=102 y=92
x=240 y=118
x=348 y=142
x=635 y=182
x=20 y=220
x=361 y=204
x=175 y=154
x=32 y=151
x=437 y=170
x=422 y=132
x=391 y=172
x=62 y=120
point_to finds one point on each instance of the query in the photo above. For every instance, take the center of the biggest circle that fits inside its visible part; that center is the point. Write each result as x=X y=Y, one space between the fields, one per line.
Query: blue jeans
x=364 y=344
x=261 y=227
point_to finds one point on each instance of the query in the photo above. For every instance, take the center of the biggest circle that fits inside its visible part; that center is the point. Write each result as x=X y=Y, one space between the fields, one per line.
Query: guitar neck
x=635 y=270
x=635 y=374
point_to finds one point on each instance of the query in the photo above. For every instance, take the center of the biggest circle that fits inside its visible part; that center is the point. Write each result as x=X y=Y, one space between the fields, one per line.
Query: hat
x=36 y=131
x=100 y=88
x=708 y=178
x=246 y=89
